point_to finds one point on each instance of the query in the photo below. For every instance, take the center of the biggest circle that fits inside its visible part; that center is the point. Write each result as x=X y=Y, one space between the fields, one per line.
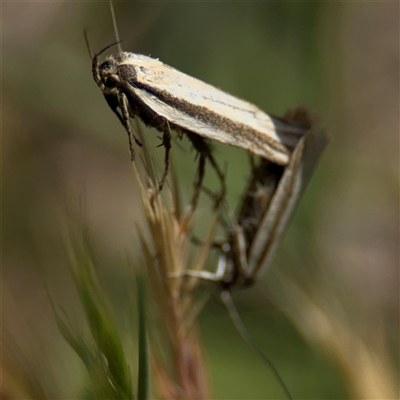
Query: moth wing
x=286 y=197
x=211 y=113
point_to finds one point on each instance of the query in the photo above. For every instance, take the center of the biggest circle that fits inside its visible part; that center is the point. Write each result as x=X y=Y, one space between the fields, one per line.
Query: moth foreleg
x=124 y=106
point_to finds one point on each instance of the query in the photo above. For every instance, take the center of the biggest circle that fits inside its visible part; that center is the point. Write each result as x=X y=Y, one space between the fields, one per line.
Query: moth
x=266 y=207
x=167 y=99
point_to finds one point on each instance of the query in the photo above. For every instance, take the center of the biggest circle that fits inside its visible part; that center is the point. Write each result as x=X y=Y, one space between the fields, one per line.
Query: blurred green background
x=327 y=311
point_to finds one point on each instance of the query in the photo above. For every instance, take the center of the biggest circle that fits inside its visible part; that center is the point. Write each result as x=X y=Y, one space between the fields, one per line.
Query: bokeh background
x=327 y=311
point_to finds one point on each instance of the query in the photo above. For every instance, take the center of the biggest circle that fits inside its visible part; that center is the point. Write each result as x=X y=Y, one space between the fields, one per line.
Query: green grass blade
x=143 y=368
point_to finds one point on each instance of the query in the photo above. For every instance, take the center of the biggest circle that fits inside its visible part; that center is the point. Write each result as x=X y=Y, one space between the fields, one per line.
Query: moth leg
x=241 y=251
x=204 y=149
x=199 y=181
x=221 y=177
x=217 y=198
x=216 y=244
x=166 y=143
x=198 y=184
x=216 y=276
x=238 y=246
x=124 y=105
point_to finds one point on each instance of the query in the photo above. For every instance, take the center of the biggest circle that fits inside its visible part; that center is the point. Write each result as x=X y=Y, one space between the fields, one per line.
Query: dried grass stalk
x=177 y=363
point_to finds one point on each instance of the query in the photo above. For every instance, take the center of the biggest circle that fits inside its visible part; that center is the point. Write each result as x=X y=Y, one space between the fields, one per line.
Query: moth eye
x=105 y=65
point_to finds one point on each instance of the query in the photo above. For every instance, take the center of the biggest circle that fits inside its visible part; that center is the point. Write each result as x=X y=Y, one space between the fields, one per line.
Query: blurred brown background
x=327 y=313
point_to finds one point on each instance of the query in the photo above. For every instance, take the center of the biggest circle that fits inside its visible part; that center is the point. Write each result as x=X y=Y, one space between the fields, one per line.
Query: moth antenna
x=107 y=47
x=237 y=321
x=118 y=40
x=94 y=56
x=85 y=32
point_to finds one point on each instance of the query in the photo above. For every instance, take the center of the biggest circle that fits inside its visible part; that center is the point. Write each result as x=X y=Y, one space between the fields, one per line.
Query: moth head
x=104 y=73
